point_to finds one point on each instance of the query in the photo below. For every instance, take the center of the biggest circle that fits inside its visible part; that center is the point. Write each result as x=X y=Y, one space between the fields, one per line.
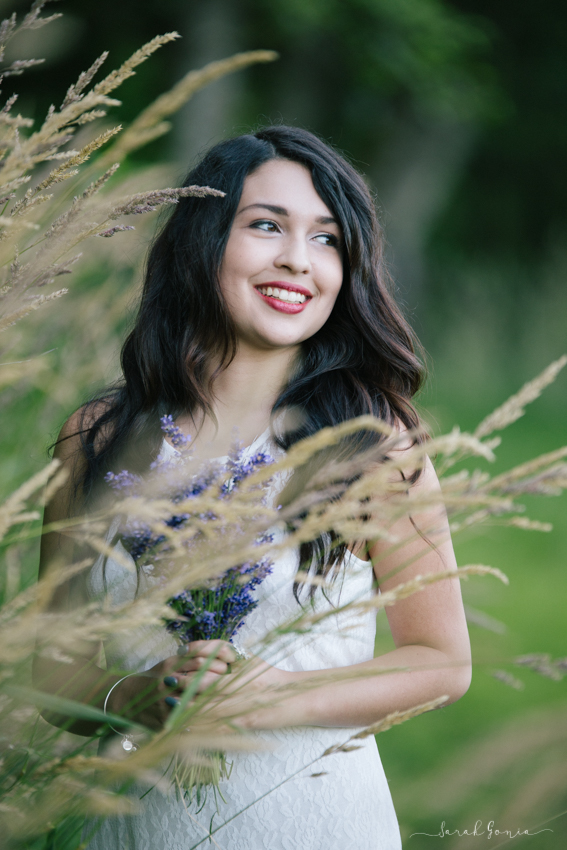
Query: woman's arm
x=429 y=630
x=84 y=680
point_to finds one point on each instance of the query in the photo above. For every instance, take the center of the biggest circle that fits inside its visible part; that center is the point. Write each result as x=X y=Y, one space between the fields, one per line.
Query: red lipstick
x=280 y=305
x=291 y=287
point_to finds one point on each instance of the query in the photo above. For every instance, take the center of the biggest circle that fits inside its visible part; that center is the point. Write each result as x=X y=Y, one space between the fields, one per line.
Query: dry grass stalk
x=14 y=506
x=541 y=662
x=66 y=170
x=40 y=209
x=514 y=408
x=507 y=679
x=484 y=620
x=509 y=481
x=150 y=124
x=393 y=719
x=33 y=304
x=9 y=27
x=126 y=70
x=397 y=717
x=20 y=370
x=391 y=597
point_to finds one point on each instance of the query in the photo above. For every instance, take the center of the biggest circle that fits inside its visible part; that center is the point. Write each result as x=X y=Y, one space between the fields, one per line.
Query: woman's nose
x=294 y=256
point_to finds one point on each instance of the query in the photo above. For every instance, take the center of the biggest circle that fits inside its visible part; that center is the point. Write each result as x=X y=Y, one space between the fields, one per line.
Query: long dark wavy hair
x=362 y=361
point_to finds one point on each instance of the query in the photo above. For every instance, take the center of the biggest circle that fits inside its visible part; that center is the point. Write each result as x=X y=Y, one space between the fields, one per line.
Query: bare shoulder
x=410 y=457
x=69 y=451
x=418 y=521
x=69 y=442
x=401 y=436
x=58 y=547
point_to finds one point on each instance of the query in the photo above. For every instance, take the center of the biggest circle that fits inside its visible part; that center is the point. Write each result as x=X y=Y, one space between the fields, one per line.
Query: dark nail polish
x=170 y=681
x=171 y=701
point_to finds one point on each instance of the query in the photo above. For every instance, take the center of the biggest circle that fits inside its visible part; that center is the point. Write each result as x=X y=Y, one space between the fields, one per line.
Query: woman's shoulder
x=79 y=423
x=408 y=455
x=57 y=547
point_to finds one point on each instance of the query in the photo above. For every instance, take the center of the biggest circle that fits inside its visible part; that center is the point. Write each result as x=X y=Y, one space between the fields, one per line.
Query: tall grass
x=66 y=213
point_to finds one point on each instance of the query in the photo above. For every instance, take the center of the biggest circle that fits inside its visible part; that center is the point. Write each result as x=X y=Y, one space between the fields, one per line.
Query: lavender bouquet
x=217 y=609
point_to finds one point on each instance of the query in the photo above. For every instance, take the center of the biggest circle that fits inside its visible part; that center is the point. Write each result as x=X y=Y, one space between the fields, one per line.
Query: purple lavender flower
x=219 y=609
x=123 y=482
x=177 y=437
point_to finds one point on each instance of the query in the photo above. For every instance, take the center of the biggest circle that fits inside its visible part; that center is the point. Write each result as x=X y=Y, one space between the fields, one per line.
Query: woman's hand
x=148 y=698
x=216 y=656
x=249 y=694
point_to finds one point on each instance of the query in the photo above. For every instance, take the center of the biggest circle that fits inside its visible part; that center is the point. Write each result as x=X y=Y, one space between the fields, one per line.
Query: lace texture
x=283 y=795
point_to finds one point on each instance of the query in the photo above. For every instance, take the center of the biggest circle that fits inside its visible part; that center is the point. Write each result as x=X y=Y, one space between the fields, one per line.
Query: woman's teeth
x=283 y=294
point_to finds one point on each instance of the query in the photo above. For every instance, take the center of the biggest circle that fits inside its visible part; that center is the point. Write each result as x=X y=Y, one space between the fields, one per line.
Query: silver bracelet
x=127 y=740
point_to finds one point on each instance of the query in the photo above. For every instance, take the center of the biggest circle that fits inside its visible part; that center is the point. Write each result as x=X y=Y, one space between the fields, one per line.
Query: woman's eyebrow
x=323 y=219
x=270 y=207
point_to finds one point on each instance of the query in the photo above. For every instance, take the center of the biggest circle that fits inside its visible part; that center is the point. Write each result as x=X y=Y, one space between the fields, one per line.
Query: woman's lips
x=282 y=305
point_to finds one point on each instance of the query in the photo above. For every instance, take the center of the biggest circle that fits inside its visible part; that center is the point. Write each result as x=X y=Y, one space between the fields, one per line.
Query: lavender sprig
x=219 y=609
x=218 y=612
x=175 y=434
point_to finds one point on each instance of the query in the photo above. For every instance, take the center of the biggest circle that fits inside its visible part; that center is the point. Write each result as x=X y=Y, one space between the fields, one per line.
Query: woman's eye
x=328 y=239
x=265 y=225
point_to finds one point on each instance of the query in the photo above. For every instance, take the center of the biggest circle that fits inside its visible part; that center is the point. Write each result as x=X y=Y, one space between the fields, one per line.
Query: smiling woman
x=268 y=310
x=292 y=260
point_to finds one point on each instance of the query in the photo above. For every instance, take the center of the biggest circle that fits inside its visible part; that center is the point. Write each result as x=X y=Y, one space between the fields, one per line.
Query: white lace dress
x=273 y=799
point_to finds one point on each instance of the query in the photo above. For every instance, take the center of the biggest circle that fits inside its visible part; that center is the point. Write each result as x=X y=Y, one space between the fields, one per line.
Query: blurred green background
x=456 y=113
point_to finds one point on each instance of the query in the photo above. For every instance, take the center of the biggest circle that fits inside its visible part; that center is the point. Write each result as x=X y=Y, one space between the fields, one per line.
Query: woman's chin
x=270 y=344
x=270 y=339
x=265 y=336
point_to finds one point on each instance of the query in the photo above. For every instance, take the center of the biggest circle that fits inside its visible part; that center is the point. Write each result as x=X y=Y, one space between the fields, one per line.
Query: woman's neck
x=243 y=397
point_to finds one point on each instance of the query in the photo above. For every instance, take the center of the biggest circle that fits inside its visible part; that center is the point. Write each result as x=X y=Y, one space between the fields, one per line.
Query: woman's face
x=282 y=269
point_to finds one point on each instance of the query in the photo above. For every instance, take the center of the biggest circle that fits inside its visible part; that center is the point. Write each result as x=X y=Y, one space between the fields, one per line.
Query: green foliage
x=422 y=52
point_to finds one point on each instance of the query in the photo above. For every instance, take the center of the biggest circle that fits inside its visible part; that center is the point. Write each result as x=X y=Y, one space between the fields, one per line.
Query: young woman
x=273 y=298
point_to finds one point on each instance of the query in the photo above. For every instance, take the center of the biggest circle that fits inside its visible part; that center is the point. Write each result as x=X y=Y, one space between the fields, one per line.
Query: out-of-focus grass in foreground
x=56 y=355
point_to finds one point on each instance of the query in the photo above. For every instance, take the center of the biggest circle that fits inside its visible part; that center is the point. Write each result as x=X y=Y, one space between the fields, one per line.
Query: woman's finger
x=221 y=649
x=205 y=681
x=194 y=664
